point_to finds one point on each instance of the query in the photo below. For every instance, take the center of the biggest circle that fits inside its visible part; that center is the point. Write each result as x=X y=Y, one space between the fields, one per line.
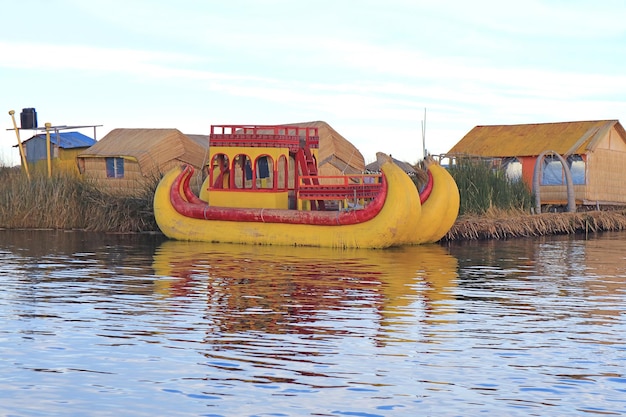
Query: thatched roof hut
x=126 y=159
x=406 y=167
x=337 y=155
x=593 y=151
x=202 y=140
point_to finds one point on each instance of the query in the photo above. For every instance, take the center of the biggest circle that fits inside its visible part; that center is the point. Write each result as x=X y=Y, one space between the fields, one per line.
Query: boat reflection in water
x=303 y=290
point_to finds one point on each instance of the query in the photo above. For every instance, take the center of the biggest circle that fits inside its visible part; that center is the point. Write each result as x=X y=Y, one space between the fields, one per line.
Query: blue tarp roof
x=68 y=140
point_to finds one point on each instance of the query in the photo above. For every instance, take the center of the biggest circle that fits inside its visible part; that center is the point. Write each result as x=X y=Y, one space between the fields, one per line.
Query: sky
x=393 y=76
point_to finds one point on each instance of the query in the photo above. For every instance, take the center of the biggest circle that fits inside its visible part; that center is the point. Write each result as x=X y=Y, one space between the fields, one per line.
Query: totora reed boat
x=262 y=187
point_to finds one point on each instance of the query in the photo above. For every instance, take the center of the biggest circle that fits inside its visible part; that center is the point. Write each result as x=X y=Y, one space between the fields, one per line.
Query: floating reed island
x=66 y=202
x=503 y=225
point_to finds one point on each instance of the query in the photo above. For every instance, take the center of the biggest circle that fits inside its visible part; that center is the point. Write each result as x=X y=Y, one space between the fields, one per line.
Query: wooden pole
x=19 y=144
x=48 y=125
x=424 y=135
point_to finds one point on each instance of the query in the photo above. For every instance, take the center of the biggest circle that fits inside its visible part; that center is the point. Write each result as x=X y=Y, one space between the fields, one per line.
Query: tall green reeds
x=483 y=188
x=67 y=202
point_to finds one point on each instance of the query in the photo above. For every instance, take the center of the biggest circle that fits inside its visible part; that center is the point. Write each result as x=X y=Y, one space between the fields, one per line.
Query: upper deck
x=276 y=165
x=264 y=136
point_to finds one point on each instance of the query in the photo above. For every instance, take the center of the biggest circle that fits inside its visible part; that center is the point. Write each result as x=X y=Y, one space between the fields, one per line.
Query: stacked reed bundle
x=473 y=227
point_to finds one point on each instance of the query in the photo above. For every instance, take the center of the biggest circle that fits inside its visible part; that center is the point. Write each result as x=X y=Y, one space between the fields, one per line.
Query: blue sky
x=369 y=68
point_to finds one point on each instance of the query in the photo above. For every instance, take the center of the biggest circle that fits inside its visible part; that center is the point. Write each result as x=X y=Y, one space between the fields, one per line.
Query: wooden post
x=19 y=144
x=48 y=125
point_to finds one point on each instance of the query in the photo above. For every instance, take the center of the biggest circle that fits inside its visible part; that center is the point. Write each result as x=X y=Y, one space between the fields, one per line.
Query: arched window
x=219 y=171
x=242 y=172
x=264 y=170
x=283 y=173
x=291 y=170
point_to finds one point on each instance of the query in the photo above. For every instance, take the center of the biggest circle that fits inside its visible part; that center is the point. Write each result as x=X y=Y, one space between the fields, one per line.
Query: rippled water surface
x=103 y=325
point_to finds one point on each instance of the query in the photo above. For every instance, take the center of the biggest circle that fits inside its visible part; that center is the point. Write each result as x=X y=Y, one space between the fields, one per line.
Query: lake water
x=115 y=325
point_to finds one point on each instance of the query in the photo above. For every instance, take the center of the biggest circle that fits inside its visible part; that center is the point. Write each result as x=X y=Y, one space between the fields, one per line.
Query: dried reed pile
x=506 y=226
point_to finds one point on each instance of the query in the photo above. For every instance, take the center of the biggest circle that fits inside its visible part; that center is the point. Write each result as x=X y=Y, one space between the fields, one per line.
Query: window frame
x=114 y=167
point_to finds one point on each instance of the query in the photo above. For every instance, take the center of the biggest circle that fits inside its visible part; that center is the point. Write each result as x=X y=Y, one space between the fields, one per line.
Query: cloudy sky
x=376 y=70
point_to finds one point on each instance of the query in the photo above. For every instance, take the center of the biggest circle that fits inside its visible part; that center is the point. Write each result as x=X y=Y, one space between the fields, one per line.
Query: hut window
x=115 y=167
x=577 y=168
x=512 y=168
x=552 y=171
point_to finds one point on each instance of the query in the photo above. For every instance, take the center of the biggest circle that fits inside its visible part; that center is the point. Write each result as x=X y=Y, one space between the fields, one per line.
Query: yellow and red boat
x=262 y=187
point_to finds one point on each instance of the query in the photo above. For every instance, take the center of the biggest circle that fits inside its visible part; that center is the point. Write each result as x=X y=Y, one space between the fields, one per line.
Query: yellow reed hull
x=440 y=210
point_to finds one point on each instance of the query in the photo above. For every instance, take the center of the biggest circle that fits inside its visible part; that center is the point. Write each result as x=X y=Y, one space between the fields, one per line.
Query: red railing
x=267 y=136
x=339 y=187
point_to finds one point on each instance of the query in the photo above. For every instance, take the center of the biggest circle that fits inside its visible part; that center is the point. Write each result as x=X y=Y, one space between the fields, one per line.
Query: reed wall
x=557 y=194
x=134 y=181
x=606 y=171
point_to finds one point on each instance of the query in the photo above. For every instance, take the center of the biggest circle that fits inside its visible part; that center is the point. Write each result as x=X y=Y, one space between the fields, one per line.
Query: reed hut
x=406 y=167
x=591 y=153
x=125 y=161
x=337 y=156
x=202 y=140
x=64 y=149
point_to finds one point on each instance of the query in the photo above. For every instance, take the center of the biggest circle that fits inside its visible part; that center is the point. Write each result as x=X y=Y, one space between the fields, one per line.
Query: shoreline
x=475 y=227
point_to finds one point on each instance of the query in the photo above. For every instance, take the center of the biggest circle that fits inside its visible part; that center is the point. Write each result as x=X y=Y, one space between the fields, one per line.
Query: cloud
x=350 y=74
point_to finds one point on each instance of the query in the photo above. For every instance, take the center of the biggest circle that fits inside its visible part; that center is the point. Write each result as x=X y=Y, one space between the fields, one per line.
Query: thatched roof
x=202 y=140
x=532 y=139
x=152 y=148
x=405 y=166
x=335 y=150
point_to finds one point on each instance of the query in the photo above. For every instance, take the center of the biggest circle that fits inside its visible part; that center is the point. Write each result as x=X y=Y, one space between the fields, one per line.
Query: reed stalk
x=483 y=188
x=67 y=202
